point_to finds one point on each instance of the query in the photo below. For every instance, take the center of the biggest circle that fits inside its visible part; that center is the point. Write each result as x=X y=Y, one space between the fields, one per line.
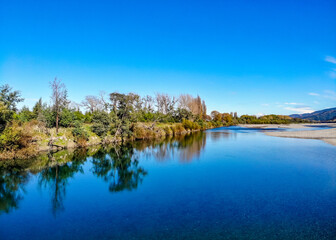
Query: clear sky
x=254 y=57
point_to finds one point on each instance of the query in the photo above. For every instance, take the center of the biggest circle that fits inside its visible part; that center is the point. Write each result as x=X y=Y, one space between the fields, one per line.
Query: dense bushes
x=189 y=125
x=80 y=134
x=101 y=123
x=17 y=140
x=269 y=119
x=6 y=116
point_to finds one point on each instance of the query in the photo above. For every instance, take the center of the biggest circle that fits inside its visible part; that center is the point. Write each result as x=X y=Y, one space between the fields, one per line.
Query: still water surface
x=225 y=183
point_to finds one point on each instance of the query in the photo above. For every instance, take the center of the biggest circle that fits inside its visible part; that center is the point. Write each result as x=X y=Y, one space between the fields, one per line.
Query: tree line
x=114 y=114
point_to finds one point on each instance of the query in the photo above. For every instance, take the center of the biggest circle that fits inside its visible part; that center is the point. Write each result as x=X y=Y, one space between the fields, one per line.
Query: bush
x=80 y=134
x=189 y=125
x=25 y=115
x=101 y=123
x=88 y=117
x=6 y=116
x=49 y=117
x=67 y=117
x=178 y=128
x=79 y=116
x=17 y=141
x=168 y=130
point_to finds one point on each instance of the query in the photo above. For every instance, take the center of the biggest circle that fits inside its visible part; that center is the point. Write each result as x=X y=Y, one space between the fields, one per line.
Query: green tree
x=123 y=108
x=25 y=115
x=67 y=117
x=6 y=116
x=10 y=98
x=38 y=108
x=101 y=123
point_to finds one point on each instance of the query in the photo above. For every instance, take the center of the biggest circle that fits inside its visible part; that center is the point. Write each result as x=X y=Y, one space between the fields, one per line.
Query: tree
x=104 y=103
x=59 y=98
x=92 y=103
x=204 y=110
x=6 y=116
x=123 y=106
x=227 y=118
x=101 y=123
x=10 y=98
x=67 y=118
x=185 y=101
x=25 y=115
x=195 y=105
x=37 y=109
x=165 y=103
x=216 y=116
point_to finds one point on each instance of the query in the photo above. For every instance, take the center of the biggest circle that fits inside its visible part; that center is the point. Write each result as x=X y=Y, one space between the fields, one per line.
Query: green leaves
x=9 y=98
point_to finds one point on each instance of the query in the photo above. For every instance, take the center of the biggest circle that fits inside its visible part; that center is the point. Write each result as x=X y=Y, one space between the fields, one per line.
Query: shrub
x=88 y=117
x=6 y=116
x=67 y=118
x=168 y=130
x=101 y=123
x=49 y=117
x=189 y=125
x=178 y=128
x=17 y=141
x=25 y=115
x=79 y=132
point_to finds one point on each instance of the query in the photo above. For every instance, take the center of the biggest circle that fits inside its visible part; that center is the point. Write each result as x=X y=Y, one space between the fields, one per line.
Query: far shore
x=326 y=135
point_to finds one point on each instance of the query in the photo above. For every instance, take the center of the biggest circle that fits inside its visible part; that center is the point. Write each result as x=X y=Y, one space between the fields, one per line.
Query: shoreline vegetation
x=105 y=119
x=326 y=135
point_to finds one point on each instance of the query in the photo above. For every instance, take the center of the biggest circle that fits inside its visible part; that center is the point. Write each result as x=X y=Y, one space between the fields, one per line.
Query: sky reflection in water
x=225 y=183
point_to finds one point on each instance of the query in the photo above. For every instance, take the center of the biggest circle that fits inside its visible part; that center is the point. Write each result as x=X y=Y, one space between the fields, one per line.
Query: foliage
x=49 y=117
x=25 y=115
x=6 y=116
x=17 y=139
x=9 y=98
x=80 y=134
x=67 y=117
x=38 y=108
x=101 y=123
x=268 y=119
x=189 y=125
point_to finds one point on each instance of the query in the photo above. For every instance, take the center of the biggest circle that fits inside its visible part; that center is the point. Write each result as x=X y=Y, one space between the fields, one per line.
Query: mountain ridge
x=328 y=114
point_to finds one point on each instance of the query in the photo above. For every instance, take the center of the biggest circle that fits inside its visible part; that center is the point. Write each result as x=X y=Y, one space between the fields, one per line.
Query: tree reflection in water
x=116 y=165
x=119 y=167
x=12 y=181
x=55 y=177
x=185 y=148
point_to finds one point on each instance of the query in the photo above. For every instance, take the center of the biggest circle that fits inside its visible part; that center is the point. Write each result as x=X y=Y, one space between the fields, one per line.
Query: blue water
x=225 y=183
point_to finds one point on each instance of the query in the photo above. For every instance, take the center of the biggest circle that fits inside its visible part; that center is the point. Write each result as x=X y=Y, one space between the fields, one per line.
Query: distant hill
x=321 y=115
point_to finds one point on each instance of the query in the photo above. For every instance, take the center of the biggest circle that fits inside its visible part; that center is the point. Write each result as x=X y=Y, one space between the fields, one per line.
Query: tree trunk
x=56 y=122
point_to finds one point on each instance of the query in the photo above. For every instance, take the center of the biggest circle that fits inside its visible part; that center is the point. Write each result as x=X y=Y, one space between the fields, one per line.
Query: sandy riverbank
x=327 y=135
x=294 y=125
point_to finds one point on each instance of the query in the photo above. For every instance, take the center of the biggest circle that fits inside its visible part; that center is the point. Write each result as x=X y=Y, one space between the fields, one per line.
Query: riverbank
x=327 y=135
x=42 y=139
x=290 y=126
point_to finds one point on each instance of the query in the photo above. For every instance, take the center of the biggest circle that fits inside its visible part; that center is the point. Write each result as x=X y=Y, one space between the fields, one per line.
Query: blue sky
x=254 y=57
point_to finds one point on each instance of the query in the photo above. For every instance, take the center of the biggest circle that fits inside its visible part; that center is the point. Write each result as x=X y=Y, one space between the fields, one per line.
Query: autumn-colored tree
x=216 y=116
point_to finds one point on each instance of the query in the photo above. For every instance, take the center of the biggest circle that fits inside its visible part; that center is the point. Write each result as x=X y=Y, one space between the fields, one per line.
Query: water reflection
x=12 y=181
x=185 y=148
x=56 y=175
x=118 y=166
